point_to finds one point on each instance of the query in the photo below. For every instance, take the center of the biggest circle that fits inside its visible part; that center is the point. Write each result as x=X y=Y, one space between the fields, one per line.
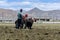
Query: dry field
x=38 y=32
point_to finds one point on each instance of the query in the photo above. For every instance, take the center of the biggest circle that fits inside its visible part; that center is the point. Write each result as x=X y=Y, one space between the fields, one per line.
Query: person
x=24 y=19
x=19 y=20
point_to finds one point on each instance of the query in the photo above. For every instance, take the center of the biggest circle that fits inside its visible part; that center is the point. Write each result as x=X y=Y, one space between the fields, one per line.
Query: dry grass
x=47 y=26
x=39 y=32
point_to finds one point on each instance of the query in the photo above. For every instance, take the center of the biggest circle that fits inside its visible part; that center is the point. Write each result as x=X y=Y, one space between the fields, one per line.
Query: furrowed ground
x=38 y=32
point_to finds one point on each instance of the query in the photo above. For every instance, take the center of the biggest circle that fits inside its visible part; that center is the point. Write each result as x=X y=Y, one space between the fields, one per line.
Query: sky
x=30 y=4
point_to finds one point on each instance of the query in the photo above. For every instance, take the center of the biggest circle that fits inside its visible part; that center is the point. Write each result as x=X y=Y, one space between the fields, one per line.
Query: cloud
x=19 y=3
x=27 y=5
x=27 y=9
x=48 y=6
x=3 y=3
x=15 y=4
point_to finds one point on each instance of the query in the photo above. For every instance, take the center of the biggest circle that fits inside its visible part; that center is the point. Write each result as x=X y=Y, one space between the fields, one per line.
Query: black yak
x=27 y=22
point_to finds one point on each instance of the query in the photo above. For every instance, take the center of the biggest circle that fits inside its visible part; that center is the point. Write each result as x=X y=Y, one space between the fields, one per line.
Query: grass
x=39 y=32
x=47 y=26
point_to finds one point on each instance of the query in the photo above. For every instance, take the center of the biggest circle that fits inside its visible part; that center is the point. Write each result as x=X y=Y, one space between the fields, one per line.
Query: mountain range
x=53 y=14
x=7 y=14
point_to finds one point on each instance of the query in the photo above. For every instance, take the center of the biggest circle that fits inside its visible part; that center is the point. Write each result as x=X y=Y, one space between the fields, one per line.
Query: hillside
x=44 y=14
x=7 y=14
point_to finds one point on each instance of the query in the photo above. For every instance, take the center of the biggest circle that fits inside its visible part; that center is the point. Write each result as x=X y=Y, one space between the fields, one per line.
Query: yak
x=28 y=23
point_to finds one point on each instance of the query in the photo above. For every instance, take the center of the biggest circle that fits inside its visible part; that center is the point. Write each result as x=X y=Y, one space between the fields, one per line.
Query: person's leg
x=25 y=27
x=21 y=26
x=24 y=24
x=20 y=23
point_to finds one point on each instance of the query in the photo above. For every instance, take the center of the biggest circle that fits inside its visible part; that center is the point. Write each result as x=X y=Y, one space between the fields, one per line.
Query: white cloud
x=10 y=4
x=27 y=9
x=4 y=3
x=40 y=5
x=19 y=3
x=48 y=6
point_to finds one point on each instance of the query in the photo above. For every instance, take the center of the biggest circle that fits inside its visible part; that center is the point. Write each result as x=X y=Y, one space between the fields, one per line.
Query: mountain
x=7 y=14
x=34 y=10
x=52 y=14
